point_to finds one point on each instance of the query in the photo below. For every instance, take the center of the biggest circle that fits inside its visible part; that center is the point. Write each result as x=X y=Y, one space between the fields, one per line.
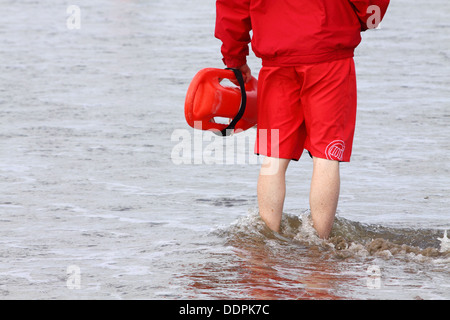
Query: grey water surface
x=95 y=202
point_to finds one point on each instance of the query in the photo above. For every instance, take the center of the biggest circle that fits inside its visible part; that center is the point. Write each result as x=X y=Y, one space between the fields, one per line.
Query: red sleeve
x=370 y=12
x=233 y=27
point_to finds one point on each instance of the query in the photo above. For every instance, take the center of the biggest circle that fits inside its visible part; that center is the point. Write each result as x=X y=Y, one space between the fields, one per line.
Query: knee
x=274 y=166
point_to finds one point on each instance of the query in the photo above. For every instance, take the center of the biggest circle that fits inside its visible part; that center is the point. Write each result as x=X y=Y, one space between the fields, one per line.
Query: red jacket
x=292 y=32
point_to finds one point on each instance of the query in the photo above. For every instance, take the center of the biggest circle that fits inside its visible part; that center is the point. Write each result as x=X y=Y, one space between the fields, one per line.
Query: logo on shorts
x=335 y=150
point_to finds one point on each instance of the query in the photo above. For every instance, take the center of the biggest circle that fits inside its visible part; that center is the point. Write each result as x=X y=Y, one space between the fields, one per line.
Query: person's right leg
x=324 y=195
x=329 y=104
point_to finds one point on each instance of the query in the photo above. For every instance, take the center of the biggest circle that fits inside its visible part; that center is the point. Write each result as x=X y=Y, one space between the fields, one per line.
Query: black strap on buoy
x=230 y=128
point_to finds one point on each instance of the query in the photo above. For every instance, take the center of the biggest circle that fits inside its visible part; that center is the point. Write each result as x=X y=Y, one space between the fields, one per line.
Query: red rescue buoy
x=207 y=100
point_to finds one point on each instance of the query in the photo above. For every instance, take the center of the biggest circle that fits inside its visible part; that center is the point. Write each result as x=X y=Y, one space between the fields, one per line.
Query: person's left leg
x=324 y=195
x=280 y=137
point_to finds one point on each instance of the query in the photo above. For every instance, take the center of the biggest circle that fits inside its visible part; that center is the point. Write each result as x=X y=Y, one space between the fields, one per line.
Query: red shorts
x=310 y=107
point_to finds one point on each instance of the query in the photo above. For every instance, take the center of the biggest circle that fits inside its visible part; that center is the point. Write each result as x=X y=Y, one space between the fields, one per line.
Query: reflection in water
x=295 y=276
x=258 y=276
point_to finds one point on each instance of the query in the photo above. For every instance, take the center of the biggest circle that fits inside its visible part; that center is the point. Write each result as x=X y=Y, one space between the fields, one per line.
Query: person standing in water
x=306 y=89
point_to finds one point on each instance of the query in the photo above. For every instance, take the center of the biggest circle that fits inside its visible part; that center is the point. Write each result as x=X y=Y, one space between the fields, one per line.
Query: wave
x=348 y=239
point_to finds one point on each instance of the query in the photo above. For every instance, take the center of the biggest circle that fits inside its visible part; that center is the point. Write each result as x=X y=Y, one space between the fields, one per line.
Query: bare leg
x=324 y=195
x=272 y=191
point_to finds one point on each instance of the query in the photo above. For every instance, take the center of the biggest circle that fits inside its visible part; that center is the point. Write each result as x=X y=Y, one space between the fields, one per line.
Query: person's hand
x=246 y=72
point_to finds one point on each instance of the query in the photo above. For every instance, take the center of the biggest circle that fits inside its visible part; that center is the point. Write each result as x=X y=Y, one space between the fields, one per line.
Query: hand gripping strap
x=230 y=128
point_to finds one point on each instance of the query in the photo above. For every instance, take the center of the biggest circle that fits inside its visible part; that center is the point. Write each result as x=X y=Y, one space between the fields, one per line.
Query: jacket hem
x=294 y=60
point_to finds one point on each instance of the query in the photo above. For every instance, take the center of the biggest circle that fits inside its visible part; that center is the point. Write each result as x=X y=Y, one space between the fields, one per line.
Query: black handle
x=229 y=129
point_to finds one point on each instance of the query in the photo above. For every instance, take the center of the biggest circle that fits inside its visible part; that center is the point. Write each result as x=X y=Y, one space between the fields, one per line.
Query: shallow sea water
x=95 y=205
